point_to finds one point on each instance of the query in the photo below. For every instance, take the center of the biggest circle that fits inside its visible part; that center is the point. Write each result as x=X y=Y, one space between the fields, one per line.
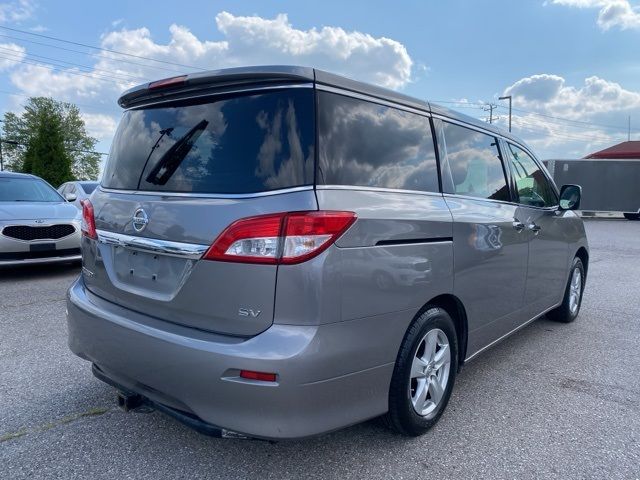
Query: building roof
x=622 y=150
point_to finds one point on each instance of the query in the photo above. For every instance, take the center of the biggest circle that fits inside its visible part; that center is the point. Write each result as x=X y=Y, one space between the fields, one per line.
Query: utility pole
x=489 y=108
x=1 y=162
x=508 y=97
x=629 y=128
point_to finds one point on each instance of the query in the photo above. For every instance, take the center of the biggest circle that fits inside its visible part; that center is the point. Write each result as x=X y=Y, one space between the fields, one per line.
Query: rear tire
x=632 y=216
x=568 y=311
x=424 y=373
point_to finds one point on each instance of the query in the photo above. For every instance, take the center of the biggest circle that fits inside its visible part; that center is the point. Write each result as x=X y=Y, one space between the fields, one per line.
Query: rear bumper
x=321 y=385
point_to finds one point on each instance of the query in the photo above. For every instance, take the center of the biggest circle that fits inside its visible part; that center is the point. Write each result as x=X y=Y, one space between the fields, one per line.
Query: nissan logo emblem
x=140 y=220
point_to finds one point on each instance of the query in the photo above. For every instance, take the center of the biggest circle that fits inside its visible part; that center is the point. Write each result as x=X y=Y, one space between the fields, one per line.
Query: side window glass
x=365 y=144
x=474 y=164
x=533 y=187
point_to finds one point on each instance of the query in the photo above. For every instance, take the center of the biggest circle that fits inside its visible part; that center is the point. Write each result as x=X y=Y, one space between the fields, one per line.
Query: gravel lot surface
x=553 y=400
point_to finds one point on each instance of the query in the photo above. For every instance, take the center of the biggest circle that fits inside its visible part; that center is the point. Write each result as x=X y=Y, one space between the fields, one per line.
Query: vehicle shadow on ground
x=34 y=272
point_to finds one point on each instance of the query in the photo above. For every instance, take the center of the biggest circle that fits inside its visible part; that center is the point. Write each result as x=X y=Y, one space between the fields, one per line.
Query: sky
x=572 y=67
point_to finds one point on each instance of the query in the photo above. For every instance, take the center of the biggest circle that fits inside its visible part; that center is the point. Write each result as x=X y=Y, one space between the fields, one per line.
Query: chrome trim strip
x=373 y=99
x=191 y=251
x=177 y=97
x=207 y=195
x=504 y=202
x=519 y=327
x=377 y=189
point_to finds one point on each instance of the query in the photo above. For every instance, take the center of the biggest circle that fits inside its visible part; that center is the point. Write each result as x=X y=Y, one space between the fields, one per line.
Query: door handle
x=534 y=228
x=519 y=226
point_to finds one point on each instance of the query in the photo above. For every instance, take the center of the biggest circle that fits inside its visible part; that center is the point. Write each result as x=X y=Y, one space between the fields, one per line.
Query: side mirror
x=70 y=197
x=570 y=197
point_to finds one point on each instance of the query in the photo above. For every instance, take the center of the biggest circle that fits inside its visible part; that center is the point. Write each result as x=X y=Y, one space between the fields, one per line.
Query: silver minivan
x=278 y=252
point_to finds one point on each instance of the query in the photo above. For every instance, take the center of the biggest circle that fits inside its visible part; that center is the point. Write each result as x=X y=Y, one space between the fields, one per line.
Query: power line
x=137 y=77
x=95 y=107
x=104 y=78
x=538 y=128
x=554 y=133
x=568 y=120
x=580 y=124
x=58 y=47
x=565 y=122
x=48 y=37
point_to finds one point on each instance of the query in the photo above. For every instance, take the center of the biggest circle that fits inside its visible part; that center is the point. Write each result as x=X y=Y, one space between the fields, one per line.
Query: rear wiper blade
x=172 y=158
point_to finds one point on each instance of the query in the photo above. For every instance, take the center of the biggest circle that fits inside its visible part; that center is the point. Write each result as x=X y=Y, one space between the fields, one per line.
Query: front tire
x=632 y=216
x=568 y=311
x=424 y=373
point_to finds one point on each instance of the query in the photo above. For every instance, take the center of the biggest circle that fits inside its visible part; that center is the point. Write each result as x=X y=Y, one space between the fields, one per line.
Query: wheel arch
x=458 y=313
x=583 y=255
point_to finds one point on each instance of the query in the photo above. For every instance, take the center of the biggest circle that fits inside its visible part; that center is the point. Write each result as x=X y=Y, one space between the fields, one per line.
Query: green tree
x=45 y=155
x=50 y=121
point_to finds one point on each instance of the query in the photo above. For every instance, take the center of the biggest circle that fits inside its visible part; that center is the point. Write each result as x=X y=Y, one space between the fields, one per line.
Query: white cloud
x=248 y=40
x=611 y=13
x=595 y=97
x=67 y=85
x=379 y=60
x=98 y=125
x=10 y=55
x=565 y=120
x=16 y=11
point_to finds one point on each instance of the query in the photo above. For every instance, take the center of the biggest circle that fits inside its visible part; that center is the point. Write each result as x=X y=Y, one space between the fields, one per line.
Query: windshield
x=239 y=144
x=25 y=189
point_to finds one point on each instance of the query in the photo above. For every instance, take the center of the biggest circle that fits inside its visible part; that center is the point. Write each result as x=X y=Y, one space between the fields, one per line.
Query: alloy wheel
x=430 y=372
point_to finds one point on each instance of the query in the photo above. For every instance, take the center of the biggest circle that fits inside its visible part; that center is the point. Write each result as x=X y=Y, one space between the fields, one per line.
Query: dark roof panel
x=338 y=81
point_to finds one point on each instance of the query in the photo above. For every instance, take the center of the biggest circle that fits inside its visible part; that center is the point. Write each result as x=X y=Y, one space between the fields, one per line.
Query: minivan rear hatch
x=180 y=171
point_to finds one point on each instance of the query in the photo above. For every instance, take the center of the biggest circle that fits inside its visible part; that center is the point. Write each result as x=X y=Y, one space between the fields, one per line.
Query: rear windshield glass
x=27 y=190
x=88 y=187
x=246 y=144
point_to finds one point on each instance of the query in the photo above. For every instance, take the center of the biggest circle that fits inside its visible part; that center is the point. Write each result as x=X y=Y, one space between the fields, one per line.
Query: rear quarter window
x=473 y=165
x=252 y=143
x=361 y=143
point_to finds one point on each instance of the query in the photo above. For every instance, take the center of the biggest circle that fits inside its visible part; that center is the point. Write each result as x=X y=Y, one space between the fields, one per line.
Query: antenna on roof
x=629 y=128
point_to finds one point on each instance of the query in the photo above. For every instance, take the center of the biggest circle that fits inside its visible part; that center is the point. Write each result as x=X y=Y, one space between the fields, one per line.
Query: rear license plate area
x=137 y=264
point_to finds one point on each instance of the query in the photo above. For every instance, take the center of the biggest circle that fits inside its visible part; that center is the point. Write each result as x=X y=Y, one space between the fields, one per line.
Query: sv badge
x=248 y=312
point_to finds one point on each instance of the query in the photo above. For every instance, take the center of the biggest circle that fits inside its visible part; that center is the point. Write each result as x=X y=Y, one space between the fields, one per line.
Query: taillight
x=283 y=238
x=88 y=225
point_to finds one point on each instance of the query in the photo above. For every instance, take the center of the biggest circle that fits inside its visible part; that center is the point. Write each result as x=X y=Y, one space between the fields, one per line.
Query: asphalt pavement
x=551 y=401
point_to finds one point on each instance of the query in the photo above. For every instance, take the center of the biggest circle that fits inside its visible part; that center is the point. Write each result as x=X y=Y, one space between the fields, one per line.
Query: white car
x=76 y=192
x=37 y=225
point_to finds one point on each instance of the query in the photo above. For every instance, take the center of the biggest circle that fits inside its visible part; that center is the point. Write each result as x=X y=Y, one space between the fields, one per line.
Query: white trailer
x=607 y=185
